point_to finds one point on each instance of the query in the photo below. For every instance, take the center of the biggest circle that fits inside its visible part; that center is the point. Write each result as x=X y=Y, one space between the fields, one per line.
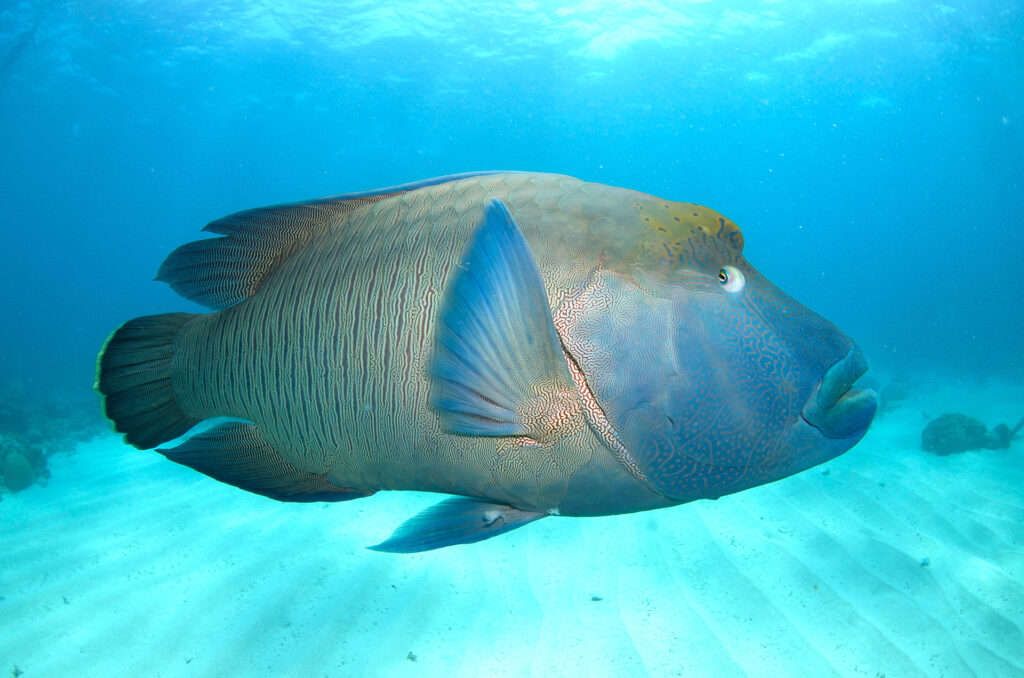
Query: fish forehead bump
x=682 y=234
x=621 y=228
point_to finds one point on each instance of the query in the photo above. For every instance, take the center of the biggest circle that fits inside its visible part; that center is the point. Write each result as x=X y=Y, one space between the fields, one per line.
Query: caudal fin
x=133 y=377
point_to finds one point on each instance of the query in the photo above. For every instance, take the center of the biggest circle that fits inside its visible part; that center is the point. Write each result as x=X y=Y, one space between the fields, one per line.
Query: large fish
x=534 y=343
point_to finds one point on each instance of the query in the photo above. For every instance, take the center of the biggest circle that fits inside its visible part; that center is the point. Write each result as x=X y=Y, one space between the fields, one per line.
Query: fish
x=532 y=344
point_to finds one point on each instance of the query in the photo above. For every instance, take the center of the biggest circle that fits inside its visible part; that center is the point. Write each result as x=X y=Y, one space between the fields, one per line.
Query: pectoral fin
x=498 y=368
x=459 y=520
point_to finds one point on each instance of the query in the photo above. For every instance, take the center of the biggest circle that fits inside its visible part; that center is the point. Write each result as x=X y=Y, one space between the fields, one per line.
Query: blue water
x=871 y=151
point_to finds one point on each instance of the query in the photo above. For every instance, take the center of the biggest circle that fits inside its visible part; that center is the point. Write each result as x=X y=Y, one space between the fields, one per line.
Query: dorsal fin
x=220 y=272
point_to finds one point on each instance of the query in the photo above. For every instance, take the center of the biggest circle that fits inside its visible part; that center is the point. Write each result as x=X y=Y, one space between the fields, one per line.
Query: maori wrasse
x=535 y=344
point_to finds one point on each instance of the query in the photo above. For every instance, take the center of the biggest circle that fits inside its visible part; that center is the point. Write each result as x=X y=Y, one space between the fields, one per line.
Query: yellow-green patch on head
x=678 y=235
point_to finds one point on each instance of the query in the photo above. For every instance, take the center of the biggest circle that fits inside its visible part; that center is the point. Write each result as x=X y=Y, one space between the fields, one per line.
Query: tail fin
x=133 y=377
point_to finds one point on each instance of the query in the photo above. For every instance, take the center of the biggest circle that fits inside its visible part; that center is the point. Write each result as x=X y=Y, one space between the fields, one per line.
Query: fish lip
x=837 y=409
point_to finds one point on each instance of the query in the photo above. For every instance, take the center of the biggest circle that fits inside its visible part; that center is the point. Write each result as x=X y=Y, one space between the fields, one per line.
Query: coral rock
x=952 y=433
x=18 y=473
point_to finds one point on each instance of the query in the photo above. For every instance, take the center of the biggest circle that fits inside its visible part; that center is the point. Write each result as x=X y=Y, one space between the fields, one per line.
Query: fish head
x=707 y=377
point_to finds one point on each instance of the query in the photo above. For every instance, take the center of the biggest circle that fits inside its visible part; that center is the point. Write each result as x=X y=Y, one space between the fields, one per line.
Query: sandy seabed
x=888 y=561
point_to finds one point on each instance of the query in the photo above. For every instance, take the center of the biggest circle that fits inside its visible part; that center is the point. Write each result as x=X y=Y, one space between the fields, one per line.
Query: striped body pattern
x=532 y=342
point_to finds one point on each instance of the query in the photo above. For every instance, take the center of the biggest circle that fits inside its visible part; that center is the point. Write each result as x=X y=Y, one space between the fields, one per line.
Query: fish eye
x=732 y=278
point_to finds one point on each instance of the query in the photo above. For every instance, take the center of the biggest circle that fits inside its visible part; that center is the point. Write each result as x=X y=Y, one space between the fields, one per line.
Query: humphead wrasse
x=533 y=343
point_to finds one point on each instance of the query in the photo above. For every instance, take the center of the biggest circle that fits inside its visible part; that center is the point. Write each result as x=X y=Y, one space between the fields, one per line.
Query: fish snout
x=837 y=409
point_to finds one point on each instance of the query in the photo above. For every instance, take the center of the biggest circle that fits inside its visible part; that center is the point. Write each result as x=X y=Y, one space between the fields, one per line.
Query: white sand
x=887 y=561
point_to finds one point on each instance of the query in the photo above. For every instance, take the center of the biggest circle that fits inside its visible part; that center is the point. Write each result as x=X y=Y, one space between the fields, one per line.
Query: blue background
x=871 y=151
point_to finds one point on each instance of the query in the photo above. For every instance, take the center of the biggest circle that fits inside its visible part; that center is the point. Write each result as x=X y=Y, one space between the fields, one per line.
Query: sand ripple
x=892 y=563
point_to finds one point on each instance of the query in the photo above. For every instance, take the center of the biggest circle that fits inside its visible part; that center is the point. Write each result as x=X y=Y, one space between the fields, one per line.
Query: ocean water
x=871 y=151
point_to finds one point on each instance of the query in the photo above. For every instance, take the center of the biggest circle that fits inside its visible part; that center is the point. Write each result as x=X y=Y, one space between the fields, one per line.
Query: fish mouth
x=837 y=409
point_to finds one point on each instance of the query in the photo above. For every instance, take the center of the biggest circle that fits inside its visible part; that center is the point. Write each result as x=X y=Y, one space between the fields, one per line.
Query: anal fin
x=236 y=453
x=459 y=520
